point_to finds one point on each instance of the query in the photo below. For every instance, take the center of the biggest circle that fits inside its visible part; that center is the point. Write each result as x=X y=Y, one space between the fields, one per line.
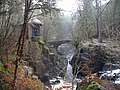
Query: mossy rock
x=95 y=86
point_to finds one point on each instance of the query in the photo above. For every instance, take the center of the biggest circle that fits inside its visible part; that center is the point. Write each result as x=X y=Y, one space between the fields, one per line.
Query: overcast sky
x=70 y=6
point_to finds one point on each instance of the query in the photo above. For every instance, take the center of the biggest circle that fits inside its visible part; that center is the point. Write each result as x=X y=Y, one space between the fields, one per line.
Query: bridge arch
x=55 y=44
x=62 y=47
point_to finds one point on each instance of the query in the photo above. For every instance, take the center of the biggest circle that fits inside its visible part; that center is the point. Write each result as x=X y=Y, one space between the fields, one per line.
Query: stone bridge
x=55 y=44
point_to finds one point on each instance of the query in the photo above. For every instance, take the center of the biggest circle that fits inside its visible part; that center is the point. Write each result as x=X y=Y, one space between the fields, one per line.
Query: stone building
x=34 y=29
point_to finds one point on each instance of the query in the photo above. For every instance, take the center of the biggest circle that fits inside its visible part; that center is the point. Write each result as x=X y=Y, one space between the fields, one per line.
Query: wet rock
x=34 y=77
x=99 y=53
x=27 y=71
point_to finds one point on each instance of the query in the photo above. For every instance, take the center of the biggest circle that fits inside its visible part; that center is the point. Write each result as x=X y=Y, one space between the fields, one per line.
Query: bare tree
x=22 y=39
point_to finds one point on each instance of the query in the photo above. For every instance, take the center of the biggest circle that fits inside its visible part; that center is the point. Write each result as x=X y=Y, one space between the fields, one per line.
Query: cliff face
x=93 y=55
x=38 y=57
x=98 y=53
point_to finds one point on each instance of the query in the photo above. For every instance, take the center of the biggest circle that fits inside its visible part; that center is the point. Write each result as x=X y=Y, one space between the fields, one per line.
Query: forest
x=59 y=44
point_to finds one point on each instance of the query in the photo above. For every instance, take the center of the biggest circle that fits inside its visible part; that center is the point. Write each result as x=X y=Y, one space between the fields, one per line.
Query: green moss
x=42 y=45
x=95 y=86
x=41 y=42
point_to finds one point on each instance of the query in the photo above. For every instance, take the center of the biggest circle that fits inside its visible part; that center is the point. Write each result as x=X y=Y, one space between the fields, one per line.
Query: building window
x=35 y=30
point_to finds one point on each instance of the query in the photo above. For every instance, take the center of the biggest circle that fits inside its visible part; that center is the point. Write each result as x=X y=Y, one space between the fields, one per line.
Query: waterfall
x=67 y=50
x=69 y=74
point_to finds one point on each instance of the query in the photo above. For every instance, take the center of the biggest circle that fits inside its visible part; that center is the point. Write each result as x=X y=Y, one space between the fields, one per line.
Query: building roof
x=35 y=21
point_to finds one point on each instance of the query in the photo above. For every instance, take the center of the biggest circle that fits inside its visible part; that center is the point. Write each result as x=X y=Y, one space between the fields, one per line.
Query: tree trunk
x=98 y=21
